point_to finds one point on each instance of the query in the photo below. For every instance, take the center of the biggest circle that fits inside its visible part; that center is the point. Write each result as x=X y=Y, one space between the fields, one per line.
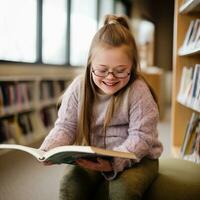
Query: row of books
x=190 y=149
x=15 y=95
x=189 y=91
x=48 y=115
x=51 y=89
x=24 y=127
x=16 y=129
x=192 y=37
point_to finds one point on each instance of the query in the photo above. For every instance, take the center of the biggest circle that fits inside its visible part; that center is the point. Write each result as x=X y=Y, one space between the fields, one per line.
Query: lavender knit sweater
x=132 y=129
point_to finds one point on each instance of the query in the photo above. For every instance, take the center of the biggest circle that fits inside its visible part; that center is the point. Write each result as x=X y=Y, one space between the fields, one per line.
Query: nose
x=110 y=75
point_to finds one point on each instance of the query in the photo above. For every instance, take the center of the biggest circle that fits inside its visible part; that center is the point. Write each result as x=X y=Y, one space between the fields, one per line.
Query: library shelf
x=185 y=12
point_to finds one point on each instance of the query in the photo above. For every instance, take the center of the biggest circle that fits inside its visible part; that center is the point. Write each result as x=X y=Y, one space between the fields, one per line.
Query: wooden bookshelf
x=154 y=76
x=185 y=11
x=28 y=102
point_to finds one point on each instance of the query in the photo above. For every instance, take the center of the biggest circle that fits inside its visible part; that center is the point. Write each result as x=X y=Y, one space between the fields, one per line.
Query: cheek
x=124 y=82
x=97 y=80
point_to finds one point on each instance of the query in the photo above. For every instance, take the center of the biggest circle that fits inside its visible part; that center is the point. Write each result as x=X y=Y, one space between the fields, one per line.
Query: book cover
x=188 y=35
x=192 y=124
x=195 y=81
x=69 y=154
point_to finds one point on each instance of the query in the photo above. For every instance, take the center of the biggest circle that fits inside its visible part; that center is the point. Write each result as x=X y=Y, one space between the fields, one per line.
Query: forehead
x=111 y=55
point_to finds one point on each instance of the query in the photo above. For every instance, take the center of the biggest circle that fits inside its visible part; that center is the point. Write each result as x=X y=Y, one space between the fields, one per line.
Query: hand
x=101 y=165
x=47 y=163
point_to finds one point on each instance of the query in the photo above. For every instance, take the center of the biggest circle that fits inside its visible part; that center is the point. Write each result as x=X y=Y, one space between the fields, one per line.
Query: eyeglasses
x=105 y=72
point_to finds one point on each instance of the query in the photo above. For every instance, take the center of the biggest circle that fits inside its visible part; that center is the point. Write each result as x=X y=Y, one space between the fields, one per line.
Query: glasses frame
x=107 y=73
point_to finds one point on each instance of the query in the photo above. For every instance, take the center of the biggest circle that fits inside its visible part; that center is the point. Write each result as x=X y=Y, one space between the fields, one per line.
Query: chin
x=110 y=92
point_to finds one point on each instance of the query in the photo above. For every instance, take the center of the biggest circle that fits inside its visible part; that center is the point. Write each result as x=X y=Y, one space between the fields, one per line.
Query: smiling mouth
x=110 y=84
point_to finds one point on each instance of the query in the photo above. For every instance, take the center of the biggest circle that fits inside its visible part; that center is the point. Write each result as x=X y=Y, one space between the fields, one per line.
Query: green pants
x=82 y=184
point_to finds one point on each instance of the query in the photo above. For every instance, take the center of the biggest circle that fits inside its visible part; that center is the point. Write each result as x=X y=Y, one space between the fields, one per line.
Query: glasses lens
x=101 y=73
x=104 y=73
x=120 y=74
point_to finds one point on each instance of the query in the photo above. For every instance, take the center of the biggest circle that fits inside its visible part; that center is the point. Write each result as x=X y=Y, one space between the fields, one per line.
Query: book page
x=69 y=154
x=70 y=157
x=37 y=153
x=68 y=149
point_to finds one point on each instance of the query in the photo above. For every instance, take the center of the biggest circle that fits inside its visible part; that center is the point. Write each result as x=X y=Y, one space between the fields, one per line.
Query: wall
x=161 y=13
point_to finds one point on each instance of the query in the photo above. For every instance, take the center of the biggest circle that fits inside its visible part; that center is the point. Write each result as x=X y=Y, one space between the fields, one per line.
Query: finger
x=105 y=164
x=47 y=163
x=100 y=160
x=89 y=165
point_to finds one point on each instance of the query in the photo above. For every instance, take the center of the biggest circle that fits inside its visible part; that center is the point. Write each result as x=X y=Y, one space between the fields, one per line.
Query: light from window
x=18 y=30
x=120 y=8
x=54 y=35
x=82 y=29
x=106 y=7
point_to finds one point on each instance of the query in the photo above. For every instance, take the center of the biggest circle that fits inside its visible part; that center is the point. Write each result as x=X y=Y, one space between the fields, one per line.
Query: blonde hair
x=114 y=33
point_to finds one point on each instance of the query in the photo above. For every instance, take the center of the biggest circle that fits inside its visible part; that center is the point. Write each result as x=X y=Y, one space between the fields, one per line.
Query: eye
x=102 y=70
x=120 y=70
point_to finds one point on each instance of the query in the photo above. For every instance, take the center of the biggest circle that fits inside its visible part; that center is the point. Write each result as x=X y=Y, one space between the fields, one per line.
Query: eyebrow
x=114 y=67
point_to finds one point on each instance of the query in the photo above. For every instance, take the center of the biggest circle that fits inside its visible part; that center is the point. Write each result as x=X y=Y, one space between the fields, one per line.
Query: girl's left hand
x=101 y=165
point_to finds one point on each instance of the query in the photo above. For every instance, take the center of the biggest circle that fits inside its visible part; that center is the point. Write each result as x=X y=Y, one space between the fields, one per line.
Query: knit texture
x=133 y=127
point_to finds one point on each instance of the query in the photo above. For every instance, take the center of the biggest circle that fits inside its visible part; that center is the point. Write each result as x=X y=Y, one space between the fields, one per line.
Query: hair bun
x=113 y=22
x=114 y=19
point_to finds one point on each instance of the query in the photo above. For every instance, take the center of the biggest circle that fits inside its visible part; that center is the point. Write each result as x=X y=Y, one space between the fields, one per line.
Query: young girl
x=110 y=107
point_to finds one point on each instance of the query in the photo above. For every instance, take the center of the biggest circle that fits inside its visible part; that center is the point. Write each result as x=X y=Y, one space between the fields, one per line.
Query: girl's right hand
x=47 y=163
x=101 y=165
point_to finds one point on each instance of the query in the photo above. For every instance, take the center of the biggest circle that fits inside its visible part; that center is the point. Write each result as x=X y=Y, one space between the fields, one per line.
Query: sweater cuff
x=118 y=164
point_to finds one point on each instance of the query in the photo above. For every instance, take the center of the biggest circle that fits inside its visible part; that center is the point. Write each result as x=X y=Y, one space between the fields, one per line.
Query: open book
x=69 y=154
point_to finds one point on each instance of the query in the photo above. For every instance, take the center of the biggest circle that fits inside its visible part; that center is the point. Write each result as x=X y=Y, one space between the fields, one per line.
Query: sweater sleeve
x=65 y=126
x=142 y=137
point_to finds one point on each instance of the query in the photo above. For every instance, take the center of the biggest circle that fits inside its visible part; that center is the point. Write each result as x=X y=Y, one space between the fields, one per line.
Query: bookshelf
x=28 y=102
x=186 y=11
x=154 y=76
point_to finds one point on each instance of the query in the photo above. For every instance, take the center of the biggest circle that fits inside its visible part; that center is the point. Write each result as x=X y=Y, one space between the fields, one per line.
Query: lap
x=79 y=183
x=132 y=183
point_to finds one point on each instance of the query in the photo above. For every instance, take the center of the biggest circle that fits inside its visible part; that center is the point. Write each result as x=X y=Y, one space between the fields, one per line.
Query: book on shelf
x=10 y=131
x=192 y=141
x=192 y=37
x=185 y=83
x=15 y=96
x=189 y=91
x=48 y=116
x=197 y=93
x=195 y=83
x=193 y=149
x=69 y=154
x=188 y=35
x=189 y=137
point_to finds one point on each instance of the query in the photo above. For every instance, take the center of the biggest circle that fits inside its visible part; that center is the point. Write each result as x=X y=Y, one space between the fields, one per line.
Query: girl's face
x=111 y=69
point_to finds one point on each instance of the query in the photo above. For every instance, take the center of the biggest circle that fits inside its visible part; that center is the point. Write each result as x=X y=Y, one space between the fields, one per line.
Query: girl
x=110 y=107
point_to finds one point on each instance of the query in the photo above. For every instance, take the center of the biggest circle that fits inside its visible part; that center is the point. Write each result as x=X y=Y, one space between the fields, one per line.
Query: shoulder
x=139 y=86
x=139 y=91
x=141 y=99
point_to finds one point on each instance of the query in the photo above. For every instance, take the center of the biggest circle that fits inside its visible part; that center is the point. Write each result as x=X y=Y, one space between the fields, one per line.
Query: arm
x=65 y=126
x=142 y=132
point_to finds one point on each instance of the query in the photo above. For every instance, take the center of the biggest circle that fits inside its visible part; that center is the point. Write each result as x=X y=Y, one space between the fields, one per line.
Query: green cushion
x=177 y=180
